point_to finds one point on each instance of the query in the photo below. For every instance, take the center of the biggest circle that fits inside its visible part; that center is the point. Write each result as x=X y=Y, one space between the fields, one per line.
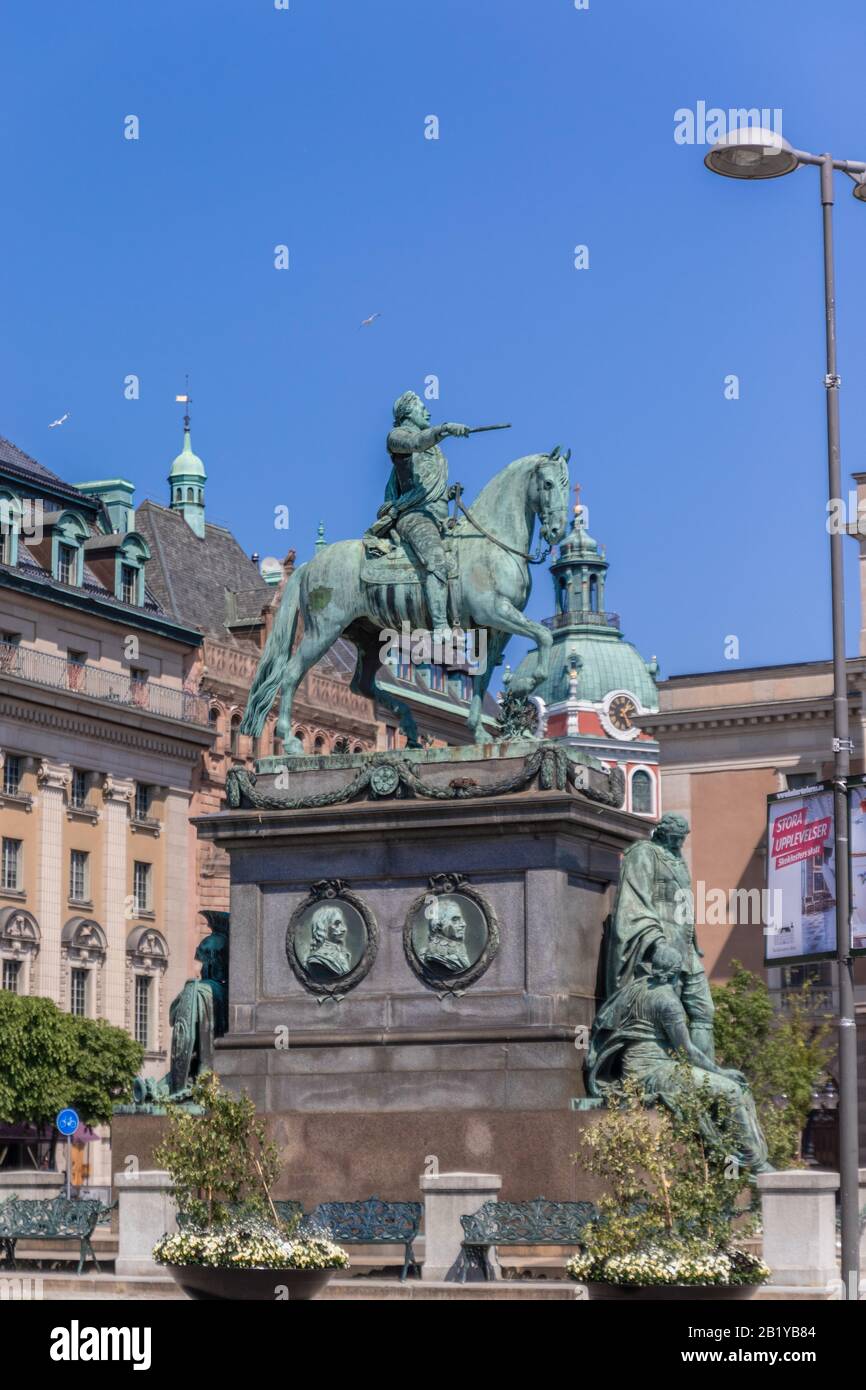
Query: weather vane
x=185 y=399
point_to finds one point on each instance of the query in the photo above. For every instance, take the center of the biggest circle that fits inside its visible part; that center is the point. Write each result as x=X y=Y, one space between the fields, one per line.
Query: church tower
x=599 y=685
x=186 y=480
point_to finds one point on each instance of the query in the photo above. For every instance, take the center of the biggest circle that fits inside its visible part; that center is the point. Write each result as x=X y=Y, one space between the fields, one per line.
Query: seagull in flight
x=55 y=423
x=365 y=323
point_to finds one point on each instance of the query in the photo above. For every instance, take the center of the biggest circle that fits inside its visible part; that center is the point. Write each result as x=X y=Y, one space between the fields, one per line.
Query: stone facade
x=101 y=741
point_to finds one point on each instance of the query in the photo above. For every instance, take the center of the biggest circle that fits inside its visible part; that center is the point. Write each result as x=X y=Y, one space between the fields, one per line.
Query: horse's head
x=549 y=494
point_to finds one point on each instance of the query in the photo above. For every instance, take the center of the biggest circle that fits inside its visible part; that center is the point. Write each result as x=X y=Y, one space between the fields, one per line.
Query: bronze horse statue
x=491 y=543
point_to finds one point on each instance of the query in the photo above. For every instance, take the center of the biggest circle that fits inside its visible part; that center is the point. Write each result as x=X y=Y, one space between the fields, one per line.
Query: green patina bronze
x=418 y=566
x=382 y=776
x=197 y=1016
x=657 y=1007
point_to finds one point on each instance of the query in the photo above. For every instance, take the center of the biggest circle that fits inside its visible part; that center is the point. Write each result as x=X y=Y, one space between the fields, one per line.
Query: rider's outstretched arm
x=402 y=441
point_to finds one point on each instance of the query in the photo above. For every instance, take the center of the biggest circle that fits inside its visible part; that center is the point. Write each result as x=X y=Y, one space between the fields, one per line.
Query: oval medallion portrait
x=332 y=939
x=451 y=934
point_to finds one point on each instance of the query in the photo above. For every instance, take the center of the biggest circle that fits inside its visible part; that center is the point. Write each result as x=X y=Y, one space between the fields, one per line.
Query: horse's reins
x=538 y=559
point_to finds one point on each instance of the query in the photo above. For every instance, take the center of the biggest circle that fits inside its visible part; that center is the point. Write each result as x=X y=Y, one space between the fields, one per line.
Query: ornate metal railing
x=583 y=617
x=85 y=678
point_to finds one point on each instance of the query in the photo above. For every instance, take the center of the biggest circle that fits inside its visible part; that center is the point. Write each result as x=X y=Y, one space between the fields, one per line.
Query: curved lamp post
x=755 y=153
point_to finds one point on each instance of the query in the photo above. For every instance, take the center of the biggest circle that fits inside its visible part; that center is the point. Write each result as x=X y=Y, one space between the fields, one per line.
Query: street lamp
x=752 y=153
x=755 y=153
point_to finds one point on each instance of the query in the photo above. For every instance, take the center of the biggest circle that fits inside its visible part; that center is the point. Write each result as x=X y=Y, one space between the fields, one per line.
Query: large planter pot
x=203 y=1281
x=669 y=1293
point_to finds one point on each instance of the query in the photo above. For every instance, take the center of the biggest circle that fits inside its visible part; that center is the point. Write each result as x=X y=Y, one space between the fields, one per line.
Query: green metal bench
x=52 y=1218
x=371 y=1222
x=538 y=1222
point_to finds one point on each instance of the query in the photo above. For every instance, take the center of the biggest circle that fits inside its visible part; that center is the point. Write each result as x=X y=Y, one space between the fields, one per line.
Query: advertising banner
x=857 y=836
x=801 y=877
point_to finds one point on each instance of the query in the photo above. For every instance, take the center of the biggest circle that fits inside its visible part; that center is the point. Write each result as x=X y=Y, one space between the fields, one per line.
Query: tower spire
x=187 y=476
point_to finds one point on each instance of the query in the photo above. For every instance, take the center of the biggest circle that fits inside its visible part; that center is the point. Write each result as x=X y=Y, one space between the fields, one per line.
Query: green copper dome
x=581 y=627
x=608 y=662
x=187 y=464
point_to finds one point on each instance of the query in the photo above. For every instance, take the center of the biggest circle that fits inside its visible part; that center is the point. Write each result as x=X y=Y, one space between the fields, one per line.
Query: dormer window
x=68 y=535
x=118 y=562
x=128 y=583
x=10 y=528
x=67 y=556
x=131 y=557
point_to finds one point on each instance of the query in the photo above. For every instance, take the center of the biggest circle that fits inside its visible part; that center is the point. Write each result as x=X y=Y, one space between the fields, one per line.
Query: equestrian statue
x=419 y=566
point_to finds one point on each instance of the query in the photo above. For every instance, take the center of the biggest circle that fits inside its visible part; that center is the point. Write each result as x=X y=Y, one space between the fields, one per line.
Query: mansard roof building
x=102 y=737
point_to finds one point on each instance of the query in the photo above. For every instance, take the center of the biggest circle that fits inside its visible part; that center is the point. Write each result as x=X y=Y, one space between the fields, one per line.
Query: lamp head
x=752 y=153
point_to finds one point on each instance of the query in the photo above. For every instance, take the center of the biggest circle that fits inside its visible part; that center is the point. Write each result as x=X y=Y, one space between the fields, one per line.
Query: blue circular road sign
x=67 y=1121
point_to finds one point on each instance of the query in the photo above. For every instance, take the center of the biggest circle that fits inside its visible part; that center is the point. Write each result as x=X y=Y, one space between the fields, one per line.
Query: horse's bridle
x=537 y=559
x=540 y=555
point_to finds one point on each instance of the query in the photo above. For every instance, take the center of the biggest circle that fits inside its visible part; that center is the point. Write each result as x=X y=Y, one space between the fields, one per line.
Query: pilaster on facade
x=117 y=793
x=179 y=918
x=54 y=780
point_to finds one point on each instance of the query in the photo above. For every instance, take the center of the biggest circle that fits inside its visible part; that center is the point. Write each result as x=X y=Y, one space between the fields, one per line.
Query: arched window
x=319 y=745
x=299 y=735
x=190 y=495
x=593 y=593
x=178 y=494
x=642 y=793
x=234 y=744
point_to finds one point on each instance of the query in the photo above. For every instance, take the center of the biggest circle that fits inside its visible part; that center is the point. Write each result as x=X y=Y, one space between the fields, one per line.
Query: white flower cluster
x=233 y=1248
x=657 y=1264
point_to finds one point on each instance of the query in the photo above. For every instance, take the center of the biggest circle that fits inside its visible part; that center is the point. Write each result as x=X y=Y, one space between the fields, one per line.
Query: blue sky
x=260 y=127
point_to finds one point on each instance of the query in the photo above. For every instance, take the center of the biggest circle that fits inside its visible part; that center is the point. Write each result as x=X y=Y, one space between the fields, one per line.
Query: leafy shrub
x=782 y=1053
x=672 y=1194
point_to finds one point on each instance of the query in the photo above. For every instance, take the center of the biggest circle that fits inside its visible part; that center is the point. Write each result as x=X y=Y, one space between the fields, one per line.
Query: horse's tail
x=274 y=659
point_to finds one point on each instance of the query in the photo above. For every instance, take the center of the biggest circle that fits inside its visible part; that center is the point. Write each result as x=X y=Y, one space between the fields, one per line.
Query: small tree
x=51 y=1059
x=106 y=1061
x=672 y=1192
x=782 y=1053
x=219 y=1156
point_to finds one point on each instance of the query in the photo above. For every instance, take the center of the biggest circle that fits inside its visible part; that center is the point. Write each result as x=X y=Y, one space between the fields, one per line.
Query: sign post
x=67 y=1123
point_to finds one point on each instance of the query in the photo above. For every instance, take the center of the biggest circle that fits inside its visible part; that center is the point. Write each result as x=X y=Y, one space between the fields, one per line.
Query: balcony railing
x=584 y=617
x=84 y=678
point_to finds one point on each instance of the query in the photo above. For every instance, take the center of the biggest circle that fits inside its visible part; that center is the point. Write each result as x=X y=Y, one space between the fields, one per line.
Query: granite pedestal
x=398 y=1068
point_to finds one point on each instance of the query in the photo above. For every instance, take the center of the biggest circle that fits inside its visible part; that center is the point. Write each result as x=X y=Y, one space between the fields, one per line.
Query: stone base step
x=57 y=1287
x=88 y=1287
